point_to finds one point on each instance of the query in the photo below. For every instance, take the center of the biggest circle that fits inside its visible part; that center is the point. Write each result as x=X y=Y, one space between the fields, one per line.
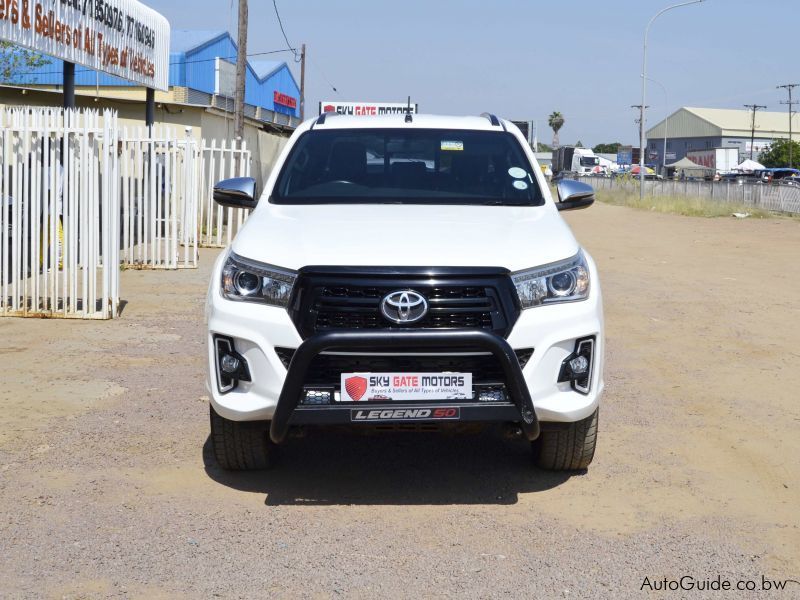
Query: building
x=201 y=86
x=705 y=128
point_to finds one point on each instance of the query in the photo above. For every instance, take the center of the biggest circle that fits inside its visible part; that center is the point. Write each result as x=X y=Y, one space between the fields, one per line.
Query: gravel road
x=108 y=490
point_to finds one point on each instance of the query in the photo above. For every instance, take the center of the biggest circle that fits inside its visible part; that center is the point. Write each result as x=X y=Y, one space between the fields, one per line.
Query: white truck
x=569 y=161
x=719 y=160
x=405 y=271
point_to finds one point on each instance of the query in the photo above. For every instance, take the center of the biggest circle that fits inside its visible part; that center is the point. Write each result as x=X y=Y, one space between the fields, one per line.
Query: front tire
x=240 y=446
x=570 y=448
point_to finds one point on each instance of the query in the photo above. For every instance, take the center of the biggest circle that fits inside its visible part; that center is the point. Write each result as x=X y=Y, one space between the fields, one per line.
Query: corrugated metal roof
x=265 y=68
x=186 y=40
x=724 y=122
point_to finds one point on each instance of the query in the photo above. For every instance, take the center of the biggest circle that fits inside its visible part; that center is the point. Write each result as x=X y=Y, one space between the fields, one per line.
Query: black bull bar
x=454 y=339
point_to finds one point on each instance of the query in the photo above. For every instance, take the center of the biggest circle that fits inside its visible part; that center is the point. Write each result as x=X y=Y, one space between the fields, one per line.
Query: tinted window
x=414 y=166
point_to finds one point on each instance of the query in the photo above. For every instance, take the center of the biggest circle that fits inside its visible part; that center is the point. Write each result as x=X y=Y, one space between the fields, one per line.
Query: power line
x=179 y=62
x=333 y=87
x=789 y=87
x=283 y=31
x=754 y=108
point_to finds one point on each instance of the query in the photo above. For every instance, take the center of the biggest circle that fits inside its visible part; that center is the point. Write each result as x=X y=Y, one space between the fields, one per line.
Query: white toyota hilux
x=405 y=271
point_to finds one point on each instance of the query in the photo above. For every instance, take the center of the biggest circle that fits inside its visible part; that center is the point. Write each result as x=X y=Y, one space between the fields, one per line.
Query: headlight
x=564 y=281
x=250 y=281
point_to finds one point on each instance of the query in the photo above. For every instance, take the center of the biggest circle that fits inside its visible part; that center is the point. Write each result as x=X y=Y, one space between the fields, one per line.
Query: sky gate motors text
x=416 y=380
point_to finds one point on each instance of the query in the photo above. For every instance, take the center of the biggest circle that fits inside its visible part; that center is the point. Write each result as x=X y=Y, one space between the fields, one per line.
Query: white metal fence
x=774 y=197
x=59 y=213
x=159 y=187
x=218 y=225
x=79 y=197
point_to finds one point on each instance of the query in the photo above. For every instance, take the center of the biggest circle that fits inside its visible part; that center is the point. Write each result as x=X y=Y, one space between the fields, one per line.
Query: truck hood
x=294 y=236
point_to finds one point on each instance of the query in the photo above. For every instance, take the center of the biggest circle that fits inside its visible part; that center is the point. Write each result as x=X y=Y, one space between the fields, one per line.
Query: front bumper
x=551 y=331
x=287 y=411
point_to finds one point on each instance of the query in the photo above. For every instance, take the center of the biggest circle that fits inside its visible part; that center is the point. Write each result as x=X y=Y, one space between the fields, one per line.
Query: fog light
x=230 y=364
x=579 y=365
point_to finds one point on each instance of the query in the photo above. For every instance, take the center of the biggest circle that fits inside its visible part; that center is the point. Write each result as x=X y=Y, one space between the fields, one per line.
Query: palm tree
x=556 y=122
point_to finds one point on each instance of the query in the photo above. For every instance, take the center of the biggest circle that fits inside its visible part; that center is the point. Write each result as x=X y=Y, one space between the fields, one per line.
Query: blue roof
x=193 y=61
x=183 y=41
x=265 y=68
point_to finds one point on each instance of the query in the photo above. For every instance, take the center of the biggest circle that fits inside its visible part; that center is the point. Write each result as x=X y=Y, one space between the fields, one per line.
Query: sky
x=525 y=59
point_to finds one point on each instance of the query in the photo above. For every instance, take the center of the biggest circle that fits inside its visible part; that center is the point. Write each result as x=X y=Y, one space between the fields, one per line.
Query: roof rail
x=492 y=119
x=321 y=119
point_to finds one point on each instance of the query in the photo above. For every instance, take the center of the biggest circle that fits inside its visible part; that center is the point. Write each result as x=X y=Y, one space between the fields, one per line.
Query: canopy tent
x=686 y=167
x=749 y=165
x=686 y=164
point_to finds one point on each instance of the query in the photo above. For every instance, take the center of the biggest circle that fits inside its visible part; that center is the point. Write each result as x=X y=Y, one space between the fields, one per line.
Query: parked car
x=444 y=269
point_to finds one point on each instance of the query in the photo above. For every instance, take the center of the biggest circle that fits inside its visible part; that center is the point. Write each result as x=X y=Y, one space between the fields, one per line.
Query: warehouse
x=200 y=95
x=704 y=128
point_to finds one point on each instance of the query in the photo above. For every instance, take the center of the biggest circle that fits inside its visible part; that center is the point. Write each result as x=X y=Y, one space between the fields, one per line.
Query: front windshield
x=407 y=166
x=589 y=161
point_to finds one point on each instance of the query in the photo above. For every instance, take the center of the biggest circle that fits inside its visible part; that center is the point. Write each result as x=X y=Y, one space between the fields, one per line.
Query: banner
x=119 y=37
x=366 y=108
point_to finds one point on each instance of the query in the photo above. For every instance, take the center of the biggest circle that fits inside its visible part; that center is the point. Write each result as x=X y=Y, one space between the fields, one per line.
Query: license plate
x=391 y=387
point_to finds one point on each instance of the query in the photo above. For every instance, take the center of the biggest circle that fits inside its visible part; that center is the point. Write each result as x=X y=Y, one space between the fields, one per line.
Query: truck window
x=407 y=166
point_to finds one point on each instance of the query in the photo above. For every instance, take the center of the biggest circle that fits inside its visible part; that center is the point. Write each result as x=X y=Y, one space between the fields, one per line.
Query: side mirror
x=574 y=194
x=239 y=192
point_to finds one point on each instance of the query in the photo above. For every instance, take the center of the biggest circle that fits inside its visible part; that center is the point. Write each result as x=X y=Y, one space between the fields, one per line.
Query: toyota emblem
x=404 y=306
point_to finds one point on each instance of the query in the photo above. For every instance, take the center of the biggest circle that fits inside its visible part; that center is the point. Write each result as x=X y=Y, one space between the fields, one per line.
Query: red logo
x=356 y=387
x=328 y=108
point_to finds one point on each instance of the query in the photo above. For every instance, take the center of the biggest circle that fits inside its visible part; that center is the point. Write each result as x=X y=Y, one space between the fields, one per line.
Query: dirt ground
x=107 y=487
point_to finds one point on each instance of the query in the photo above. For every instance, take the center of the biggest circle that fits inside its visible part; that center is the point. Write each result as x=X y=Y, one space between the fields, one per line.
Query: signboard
x=284 y=99
x=625 y=155
x=224 y=78
x=120 y=37
x=366 y=108
x=525 y=129
x=670 y=155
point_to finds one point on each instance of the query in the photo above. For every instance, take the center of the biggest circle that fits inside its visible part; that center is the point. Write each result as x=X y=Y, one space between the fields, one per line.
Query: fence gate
x=159 y=179
x=59 y=213
x=219 y=225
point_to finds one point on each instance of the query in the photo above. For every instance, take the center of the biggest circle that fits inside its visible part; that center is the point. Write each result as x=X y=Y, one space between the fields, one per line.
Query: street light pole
x=666 y=124
x=642 y=149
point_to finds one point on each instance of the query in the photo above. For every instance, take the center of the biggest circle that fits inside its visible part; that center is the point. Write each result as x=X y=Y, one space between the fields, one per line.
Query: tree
x=544 y=147
x=777 y=154
x=611 y=148
x=556 y=122
x=14 y=59
x=579 y=144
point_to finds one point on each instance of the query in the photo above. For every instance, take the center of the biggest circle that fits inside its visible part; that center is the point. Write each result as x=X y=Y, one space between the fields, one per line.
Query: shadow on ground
x=393 y=468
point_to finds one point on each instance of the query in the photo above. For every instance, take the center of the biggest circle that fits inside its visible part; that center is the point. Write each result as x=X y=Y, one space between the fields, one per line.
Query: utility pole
x=241 y=73
x=302 y=82
x=789 y=87
x=754 y=108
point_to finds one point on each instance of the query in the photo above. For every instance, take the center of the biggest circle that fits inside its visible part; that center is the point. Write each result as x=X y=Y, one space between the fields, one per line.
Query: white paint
x=59 y=252
x=218 y=226
x=120 y=37
x=159 y=198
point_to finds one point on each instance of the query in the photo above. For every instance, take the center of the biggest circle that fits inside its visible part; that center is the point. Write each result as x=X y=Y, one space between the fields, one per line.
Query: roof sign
x=119 y=37
x=367 y=108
